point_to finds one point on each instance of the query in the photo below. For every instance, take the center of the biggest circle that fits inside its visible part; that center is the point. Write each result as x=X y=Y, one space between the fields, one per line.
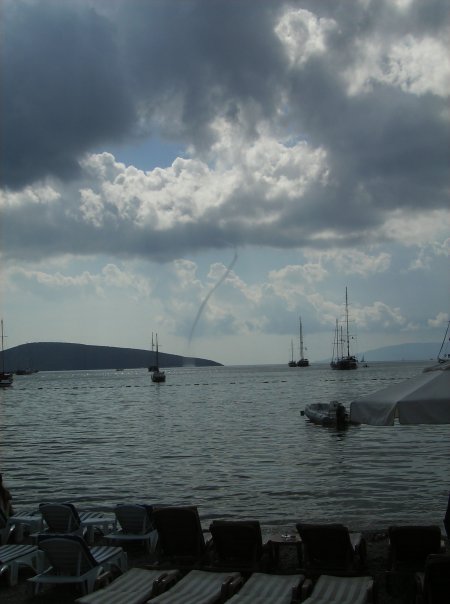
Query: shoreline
x=377 y=560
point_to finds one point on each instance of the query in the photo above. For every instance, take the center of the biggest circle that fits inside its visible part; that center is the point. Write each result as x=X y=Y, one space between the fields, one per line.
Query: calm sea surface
x=230 y=440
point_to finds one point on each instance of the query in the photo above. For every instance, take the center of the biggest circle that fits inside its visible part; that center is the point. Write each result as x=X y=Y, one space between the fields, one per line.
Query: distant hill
x=58 y=356
x=404 y=352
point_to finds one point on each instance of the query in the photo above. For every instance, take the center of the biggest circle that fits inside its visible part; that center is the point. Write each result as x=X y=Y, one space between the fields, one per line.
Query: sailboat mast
x=3 y=354
x=346 y=322
x=301 y=339
x=336 y=342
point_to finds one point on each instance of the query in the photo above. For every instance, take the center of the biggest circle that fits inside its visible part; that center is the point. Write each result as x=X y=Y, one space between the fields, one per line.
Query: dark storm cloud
x=73 y=76
x=77 y=76
x=63 y=91
x=394 y=143
x=192 y=61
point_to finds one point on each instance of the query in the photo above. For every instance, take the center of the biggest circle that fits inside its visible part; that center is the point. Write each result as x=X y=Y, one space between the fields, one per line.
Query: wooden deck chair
x=238 y=545
x=409 y=546
x=72 y=561
x=270 y=589
x=13 y=556
x=200 y=587
x=180 y=536
x=433 y=585
x=135 y=586
x=136 y=524
x=339 y=590
x=331 y=548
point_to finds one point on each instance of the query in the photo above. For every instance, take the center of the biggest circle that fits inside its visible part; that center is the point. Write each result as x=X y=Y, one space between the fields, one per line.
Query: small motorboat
x=327 y=414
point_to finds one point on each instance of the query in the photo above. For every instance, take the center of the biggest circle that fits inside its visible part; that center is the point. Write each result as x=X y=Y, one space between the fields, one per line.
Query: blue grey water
x=230 y=440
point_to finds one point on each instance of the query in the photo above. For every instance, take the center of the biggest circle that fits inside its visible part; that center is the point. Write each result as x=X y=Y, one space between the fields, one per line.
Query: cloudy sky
x=213 y=169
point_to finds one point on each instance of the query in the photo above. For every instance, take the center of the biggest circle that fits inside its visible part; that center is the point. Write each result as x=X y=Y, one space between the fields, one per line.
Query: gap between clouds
x=268 y=198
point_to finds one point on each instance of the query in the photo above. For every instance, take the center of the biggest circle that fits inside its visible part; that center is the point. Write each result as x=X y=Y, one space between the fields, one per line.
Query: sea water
x=230 y=440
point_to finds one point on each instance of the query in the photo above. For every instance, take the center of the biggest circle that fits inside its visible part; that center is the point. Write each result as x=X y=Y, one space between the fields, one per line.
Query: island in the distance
x=60 y=356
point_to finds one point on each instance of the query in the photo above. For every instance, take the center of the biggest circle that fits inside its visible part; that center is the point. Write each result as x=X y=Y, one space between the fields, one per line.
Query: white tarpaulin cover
x=421 y=400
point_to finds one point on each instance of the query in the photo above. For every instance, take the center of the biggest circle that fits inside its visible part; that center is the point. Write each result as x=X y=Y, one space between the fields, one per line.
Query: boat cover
x=424 y=399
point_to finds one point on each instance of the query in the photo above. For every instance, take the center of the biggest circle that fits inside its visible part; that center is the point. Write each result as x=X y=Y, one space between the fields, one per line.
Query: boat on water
x=303 y=361
x=27 y=371
x=327 y=414
x=6 y=378
x=342 y=359
x=157 y=374
x=292 y=363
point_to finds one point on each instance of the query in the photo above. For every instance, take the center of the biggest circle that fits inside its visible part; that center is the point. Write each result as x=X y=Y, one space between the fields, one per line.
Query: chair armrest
x=371 y=593
x=419 y=579
x=306 y=589
x=165 y=581
x=230 y=586
x=103 y=579
x=360 y=546
x=297 y=591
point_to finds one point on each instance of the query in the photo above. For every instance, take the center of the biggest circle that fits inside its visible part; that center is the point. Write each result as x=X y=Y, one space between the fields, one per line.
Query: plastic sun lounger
x=59 y=519
x=5 y=528
x=14 y=556
x=181 y=542
x=238 y=545
x=92 y=520
x=410 y=545
x=270 y=589
x=135 y=586
x=65 y=518
x=341 y=590
x=433 y=585
x=331 y=548
x=32 y=521
x=135 y=525
x=72 y=561
x=199 y=587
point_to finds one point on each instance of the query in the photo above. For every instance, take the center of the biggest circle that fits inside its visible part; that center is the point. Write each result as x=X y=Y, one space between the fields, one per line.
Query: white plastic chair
x=72 y=561
x=135 y=525
x=13 y=556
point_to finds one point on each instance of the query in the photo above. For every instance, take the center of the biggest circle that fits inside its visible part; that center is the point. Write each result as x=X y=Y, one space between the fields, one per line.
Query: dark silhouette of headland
x=59 y=356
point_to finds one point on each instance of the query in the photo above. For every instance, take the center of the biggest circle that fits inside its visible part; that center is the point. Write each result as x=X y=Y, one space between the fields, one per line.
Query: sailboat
x=303 y=362
x=6 y=378
x=292 y=363
x=157 y=374
x=342 y=359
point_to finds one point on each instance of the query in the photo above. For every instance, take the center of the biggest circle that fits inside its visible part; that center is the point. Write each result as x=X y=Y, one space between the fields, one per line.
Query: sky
x=213 y=170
